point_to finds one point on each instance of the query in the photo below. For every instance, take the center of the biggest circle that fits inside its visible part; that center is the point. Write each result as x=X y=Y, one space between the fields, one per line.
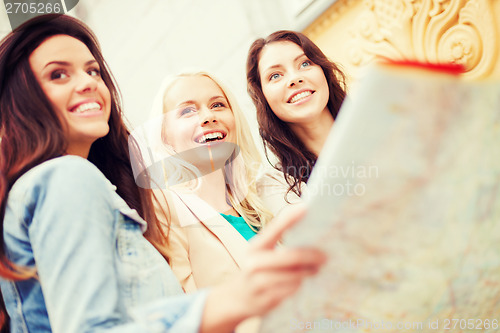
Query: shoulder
x=67 y=169
x=269 y=174
x=65 y=186
x=65 y=165
x=272 y=189
x=62 y=176
x=270 y=177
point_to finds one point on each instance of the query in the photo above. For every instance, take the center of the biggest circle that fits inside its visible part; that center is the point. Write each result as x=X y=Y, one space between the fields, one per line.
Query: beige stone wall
x=355 y=32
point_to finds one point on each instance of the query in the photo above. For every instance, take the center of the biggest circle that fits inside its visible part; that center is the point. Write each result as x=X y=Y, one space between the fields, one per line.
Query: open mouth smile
x=87 y=107
x=299 y=96
x=210 y=137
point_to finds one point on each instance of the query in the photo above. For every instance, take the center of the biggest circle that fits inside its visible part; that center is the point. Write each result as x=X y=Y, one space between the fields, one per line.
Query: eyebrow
x=217 y=97
x=279 y=65
x=65 y=63
x=185 y=103
x=190 y=102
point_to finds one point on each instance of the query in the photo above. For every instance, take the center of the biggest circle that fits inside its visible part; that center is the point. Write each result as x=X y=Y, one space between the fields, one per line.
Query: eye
x=94 y=72
x=58 y=74
x=305 y=63
x=218 y=105
x=274 y=76
x=187 y=111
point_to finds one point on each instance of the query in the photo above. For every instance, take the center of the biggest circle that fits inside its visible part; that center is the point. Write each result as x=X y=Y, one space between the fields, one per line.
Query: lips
x=210 y=137
x=299 y=95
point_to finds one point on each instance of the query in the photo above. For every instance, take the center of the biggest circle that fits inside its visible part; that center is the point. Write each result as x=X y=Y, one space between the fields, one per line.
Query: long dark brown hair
x=295 y=159
x=31 y=131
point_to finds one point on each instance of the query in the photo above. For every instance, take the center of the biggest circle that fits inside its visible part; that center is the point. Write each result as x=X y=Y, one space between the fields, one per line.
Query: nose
x=86 y=83
x=207 y=116
x=295 y=80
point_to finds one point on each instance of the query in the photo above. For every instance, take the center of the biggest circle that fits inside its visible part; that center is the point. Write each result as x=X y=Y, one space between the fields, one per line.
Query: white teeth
x=87 y=107
x=298 y=97
x=210 y=136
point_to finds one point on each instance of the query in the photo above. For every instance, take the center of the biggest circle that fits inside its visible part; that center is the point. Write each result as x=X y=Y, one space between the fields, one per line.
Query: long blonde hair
x=240 y=172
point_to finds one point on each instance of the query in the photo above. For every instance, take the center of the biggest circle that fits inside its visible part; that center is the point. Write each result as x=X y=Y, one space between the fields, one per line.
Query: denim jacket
x=96 y=271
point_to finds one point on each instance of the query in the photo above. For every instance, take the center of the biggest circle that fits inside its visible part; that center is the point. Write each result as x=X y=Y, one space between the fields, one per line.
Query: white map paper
x=414 y=246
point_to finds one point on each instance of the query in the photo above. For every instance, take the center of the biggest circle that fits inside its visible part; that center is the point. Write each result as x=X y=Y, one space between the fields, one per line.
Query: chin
x=103 y=131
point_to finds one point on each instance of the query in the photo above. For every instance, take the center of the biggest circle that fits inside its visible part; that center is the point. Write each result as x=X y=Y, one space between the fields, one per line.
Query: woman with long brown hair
x=72 y=253
x=297 y=92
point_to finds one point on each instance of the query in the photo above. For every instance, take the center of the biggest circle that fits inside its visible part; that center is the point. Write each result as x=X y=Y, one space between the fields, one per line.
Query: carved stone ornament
x=459 y=31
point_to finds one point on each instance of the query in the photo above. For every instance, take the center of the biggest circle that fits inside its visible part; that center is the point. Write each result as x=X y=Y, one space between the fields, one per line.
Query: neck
x=314 y=132
x=213 y=190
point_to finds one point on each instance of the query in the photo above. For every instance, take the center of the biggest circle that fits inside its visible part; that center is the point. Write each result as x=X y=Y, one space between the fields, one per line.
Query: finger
x=286 y=259
x=273 y=232
x=267 y=283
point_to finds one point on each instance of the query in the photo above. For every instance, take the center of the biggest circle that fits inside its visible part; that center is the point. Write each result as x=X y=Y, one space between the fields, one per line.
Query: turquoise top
x=240 y=225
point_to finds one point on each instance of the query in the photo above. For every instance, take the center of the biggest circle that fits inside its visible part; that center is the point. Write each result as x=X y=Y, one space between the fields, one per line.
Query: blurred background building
x=144 y=41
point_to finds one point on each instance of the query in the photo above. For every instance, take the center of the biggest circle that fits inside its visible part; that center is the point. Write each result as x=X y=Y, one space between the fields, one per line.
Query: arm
x=73 y=243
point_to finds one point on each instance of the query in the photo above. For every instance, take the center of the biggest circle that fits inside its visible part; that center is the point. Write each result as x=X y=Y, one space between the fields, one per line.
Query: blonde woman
x=210 y=163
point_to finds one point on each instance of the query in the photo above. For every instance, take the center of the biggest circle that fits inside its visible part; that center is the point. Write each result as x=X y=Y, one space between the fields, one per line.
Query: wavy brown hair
x=31 y=131
x=295 y=159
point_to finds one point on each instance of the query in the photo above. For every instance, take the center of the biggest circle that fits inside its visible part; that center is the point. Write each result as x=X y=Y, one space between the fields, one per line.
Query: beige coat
x=204 y=249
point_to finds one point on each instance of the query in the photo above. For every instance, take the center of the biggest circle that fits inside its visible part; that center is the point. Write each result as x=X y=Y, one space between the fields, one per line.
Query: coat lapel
x=202 y=212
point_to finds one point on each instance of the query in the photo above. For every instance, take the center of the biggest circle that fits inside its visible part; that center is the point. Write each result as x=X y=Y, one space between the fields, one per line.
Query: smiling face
x=295 y=88
x=70 y=78
x=197 y=114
